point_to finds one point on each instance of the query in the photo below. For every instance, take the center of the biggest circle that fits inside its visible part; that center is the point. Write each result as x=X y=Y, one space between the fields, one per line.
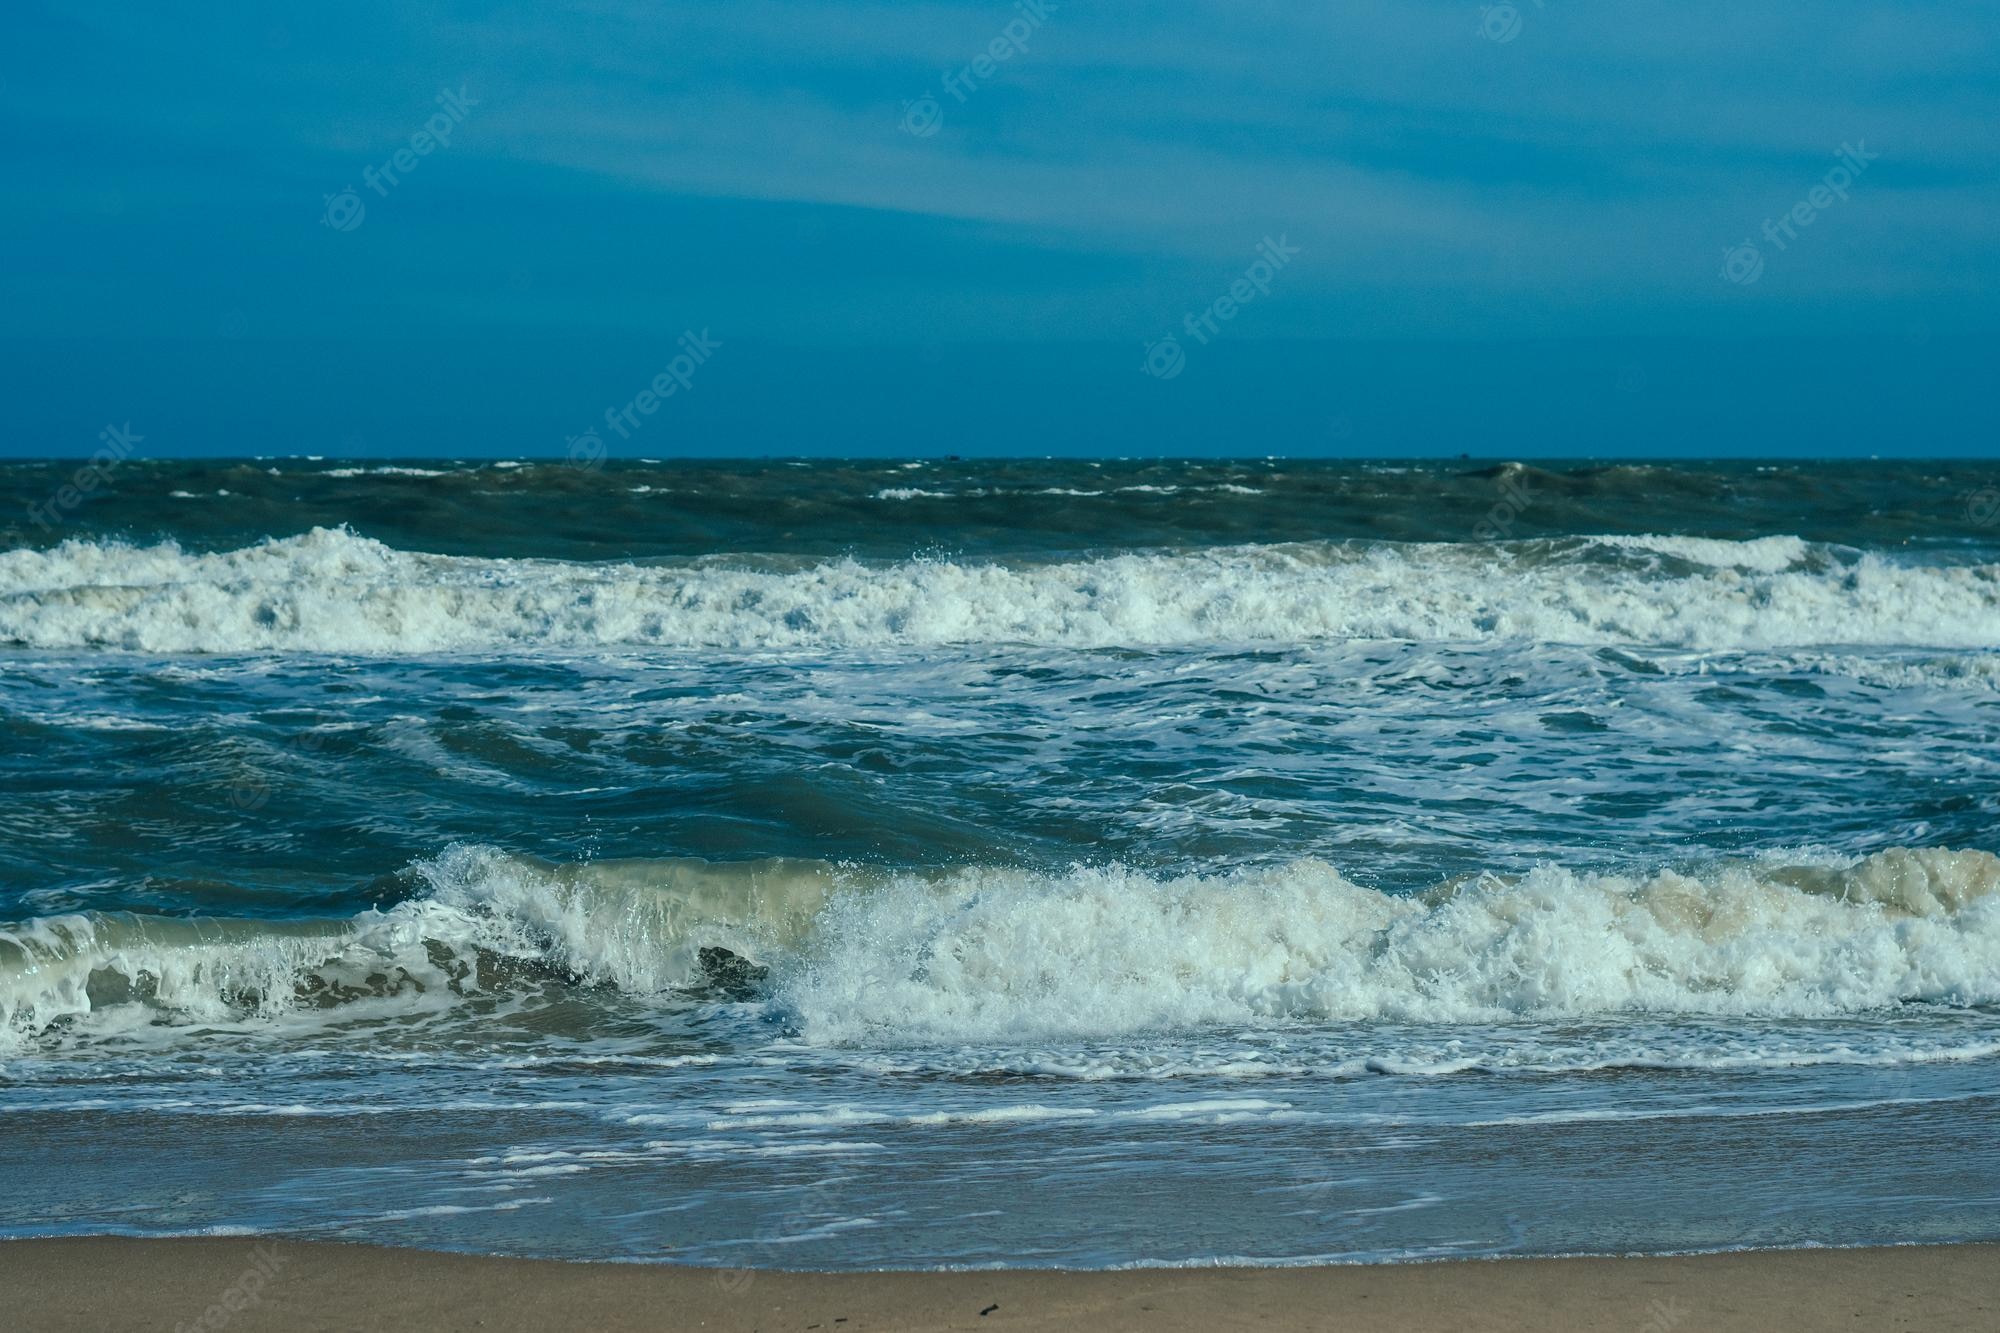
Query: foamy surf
x=1337 y=859
x=332 y=591
x=989 y=954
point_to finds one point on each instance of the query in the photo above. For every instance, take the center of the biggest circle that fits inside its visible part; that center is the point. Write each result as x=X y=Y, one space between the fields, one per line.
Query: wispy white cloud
x=1597 y=163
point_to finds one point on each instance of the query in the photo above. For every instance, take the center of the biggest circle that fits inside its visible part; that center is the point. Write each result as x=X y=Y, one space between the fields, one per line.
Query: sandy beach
x=103 y=1283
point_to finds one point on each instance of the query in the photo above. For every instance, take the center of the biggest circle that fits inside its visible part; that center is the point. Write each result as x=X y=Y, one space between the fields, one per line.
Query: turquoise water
x=1023 y=863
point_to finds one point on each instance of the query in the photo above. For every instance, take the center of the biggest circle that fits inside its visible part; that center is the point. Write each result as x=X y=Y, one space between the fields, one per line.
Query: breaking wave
x=848 y=956
x=333 y=591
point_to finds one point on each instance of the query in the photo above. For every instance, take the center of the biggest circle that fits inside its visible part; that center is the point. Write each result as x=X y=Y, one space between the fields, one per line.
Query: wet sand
x=99 y=1283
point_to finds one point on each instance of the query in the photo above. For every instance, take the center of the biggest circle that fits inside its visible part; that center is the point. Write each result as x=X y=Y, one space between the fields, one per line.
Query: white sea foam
x=332 y=591
x=1012 y=956
x=1763 y=555
x=1106 y=951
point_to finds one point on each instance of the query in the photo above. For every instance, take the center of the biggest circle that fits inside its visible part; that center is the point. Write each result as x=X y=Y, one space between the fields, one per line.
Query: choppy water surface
x=846 y=865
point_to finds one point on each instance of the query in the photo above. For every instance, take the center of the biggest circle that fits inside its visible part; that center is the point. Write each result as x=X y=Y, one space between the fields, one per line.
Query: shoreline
x=250 y=1282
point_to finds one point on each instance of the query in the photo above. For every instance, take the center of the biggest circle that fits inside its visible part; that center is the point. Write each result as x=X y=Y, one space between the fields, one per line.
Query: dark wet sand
x=111 y=1283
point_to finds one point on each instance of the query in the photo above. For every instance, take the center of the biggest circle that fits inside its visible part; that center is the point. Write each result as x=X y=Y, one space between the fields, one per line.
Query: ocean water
x=845 y=865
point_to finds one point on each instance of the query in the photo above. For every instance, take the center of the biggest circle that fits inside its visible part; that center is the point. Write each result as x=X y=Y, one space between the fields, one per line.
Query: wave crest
x=332 y=591
x=998 y=954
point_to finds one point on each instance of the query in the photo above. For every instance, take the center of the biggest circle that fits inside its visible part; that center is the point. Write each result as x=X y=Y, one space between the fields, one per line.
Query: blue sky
x=1501 y=216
